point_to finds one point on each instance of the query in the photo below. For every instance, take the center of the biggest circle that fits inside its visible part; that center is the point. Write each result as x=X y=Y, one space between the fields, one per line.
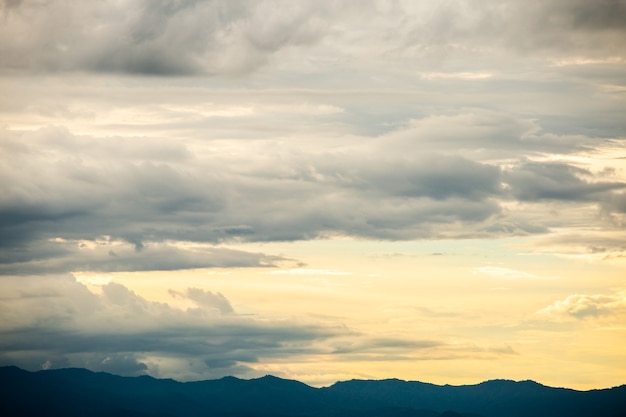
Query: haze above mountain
x=78 y=392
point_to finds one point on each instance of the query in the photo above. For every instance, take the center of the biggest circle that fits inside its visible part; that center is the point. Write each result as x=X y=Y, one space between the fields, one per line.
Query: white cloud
x=504 y=273
x=583 y=306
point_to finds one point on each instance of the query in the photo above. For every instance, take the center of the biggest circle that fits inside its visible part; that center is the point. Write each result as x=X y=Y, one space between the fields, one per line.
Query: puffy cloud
x=206 y=299
x=582 y=306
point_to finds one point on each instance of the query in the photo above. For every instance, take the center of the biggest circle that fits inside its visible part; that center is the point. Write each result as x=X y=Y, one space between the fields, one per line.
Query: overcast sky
x=319 y=190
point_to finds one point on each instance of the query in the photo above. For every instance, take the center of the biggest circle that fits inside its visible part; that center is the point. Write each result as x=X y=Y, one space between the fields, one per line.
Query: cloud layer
x=238 y=37
x=55 y=321
x=162 y=135
x=72 y=202
x=120 y=332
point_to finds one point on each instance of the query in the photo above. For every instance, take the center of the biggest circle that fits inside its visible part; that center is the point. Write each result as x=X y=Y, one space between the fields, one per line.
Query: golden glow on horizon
x=484 y=313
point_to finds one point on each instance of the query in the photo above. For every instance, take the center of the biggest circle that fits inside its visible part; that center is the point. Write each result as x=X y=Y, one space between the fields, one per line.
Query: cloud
x=89 y=187
x=430 y=175
x=504 y=273
x=118 y=364
x=154 y=37
x=103 y=254
x=206 y=299
x=377 y=346
x=240 y=36
x=164 y=135
x=605 y=245
x=584 y=306
x=616 y=202
x=552 y=27
x=482 y=135
x=56 y=321
x=556 y=181
x=446 y=176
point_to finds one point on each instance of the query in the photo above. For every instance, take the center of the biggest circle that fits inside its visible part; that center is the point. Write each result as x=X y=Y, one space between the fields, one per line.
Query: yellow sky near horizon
x=484 y=310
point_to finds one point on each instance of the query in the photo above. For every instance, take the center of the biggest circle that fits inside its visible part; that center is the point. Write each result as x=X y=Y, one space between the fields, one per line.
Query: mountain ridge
x=76 y=391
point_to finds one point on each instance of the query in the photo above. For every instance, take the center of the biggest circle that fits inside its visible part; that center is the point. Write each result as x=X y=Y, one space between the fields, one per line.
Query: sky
x=317 y=190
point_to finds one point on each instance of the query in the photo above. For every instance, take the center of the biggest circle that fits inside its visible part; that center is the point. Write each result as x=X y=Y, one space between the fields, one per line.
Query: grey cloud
x=239 y=36
x=558 y=27
x=118 y=364
x=533 y=181
x=61 y=324
x=606 y=245
x=512 y=228
x=386 y=345
x=154 y=37
x=383 y=349
x=103 y=255
x=482 y=135
x=56 y=322
x=603 y=15
x=616 y=202
x=438 y=177
x=443 y=176
x=87 y=188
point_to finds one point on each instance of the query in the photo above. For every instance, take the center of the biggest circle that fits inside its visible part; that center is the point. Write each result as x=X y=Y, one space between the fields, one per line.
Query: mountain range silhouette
x=80 y=392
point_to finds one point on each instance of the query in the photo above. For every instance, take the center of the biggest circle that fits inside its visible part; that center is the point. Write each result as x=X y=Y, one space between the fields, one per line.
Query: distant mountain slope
x=492 y=398
x=79 y=392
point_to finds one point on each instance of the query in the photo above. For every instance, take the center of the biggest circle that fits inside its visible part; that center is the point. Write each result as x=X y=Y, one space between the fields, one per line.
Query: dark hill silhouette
x=79 y=392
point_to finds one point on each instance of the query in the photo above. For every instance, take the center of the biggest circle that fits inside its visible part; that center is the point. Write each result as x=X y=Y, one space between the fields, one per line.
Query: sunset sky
x=318 y=190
